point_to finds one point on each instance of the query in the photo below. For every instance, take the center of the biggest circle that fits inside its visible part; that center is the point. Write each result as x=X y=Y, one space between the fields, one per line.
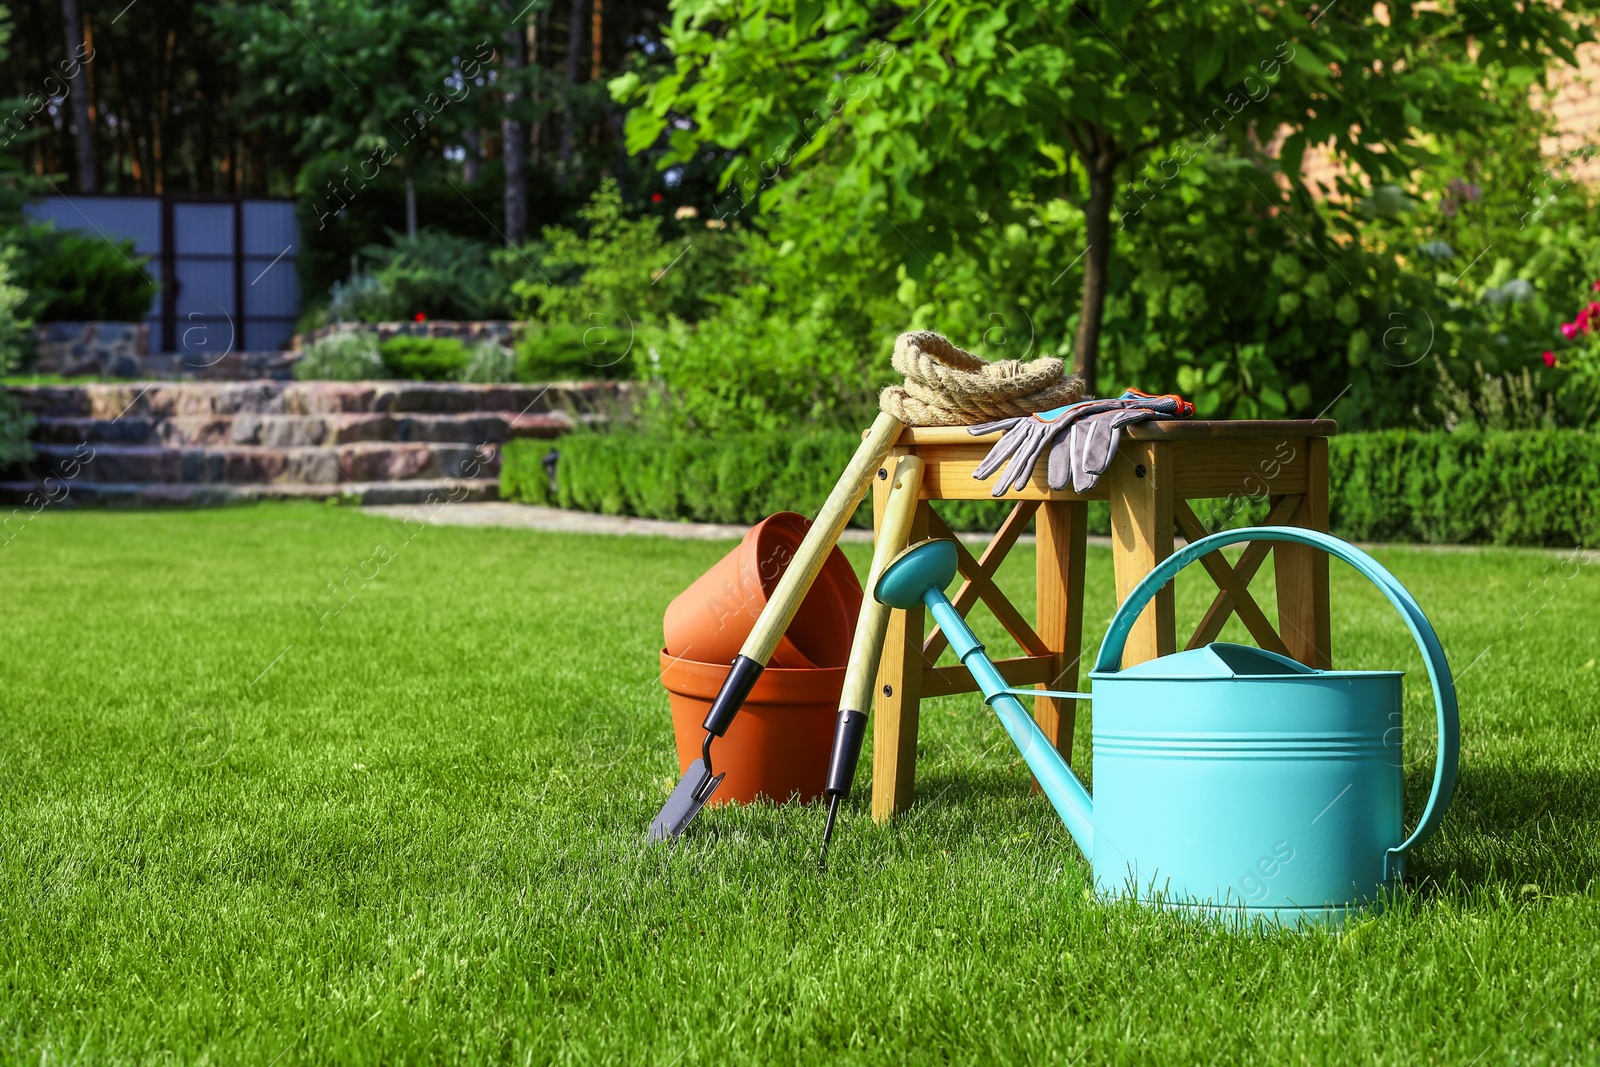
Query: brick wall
x=1577 y=110
x=1575 y=104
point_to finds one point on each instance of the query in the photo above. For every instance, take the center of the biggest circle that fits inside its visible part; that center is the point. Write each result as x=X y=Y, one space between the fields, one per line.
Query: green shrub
x=565 y=352
x=424 y=359
x=362 y=297
x=13 y=321
x=522 y=474
x=758 y=365
x=621 y=268
x=605 y=271
x=1535 y=487
x=1574 y=356
x=351 y=356
x=74 y=277
x=14 y=424
x=593 y=296
x=488 y=363
x=357 y=356
x=740 y=479
x=435 y=273
x=14 y=427
x=1523 y=487
x=441 y=275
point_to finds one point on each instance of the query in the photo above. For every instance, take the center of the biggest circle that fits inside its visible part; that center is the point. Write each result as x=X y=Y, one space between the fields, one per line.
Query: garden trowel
x=699 y=781
x=894 y=531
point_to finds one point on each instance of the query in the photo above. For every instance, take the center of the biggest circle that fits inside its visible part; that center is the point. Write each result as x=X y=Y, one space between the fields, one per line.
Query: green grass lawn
x=241 y=828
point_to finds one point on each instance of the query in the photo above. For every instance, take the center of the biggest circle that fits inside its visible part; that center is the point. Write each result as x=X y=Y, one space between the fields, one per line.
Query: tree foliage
x=161 y=80
x=375 y=83
x=940 y=121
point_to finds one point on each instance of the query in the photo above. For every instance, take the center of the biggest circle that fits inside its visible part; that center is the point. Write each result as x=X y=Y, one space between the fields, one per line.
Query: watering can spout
x=917 y=577
x=1066 y=794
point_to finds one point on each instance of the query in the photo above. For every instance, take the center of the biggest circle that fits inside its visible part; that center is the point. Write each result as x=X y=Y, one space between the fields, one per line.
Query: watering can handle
x=1444 y=690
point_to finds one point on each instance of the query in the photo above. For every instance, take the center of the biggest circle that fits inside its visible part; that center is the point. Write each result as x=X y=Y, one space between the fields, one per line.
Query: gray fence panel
x=205 y=288
x=269 y=227
x=272 y=286
x=204 y=300
x=120 y=218
x=232 y=263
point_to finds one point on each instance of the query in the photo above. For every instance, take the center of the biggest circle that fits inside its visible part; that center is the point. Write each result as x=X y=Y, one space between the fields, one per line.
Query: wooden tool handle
x=893 y=534
x=820 y=539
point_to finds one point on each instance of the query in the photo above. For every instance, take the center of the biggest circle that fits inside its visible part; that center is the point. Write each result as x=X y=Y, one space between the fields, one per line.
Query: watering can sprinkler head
x=925 y=565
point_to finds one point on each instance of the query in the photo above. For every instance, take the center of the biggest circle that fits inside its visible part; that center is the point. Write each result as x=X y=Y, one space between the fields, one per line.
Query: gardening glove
x=1028 y=437
x=1085 y=452
x=1025 y=439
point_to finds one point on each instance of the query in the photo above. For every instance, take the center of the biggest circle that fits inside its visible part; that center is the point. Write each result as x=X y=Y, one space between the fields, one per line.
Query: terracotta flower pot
x=710 y=620
x=778 y=745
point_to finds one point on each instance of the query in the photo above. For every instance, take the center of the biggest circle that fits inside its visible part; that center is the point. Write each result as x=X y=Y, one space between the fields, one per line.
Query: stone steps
x=285 y=431
x=231 y=367
x=365 y=461
x=187 y=442
x=117 y=400
x=194 y=494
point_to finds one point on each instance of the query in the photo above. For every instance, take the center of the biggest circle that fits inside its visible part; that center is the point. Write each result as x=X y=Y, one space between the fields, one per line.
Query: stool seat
x=1154 y=430
x=1160 y=466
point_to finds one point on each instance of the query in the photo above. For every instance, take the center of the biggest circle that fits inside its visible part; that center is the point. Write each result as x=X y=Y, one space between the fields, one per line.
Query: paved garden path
x=529 y=517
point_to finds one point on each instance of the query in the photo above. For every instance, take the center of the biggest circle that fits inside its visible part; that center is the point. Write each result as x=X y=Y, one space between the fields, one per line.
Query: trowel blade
x=684 y=803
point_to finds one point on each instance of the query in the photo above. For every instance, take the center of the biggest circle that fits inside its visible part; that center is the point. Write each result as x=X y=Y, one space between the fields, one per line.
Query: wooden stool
x=1159 y=468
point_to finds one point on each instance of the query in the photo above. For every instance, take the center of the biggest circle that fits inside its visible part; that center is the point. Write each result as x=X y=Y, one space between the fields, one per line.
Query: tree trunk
x=538 y=38
x=472 y=155
x=158 y=169
x=569 y=121
x=83 y=129
x=411 y=207
x=1096 y=260
x=127 y=136
x=514 y=139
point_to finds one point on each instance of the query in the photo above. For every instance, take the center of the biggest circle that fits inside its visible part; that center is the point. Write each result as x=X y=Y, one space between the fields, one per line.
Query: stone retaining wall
x=501 y=331
x=114 y=349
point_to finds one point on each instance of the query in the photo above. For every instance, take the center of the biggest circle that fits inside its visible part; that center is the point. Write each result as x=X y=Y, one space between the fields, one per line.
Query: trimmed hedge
x=1533 y=487
x=738 y=478
x=1523 y=487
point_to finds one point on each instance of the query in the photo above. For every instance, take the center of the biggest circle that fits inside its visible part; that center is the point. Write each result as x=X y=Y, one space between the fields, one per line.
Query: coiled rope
x=949 y=386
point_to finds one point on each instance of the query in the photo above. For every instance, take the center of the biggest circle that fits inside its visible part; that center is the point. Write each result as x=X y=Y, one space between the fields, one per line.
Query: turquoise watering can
x=1226 y=777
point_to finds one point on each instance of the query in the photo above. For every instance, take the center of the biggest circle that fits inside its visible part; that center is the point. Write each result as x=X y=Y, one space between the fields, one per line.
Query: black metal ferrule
x=848 y=733
x=730 y=698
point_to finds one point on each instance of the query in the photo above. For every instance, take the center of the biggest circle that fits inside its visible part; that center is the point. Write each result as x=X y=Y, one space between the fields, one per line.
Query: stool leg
x=899 y=688
x=1141 y=536
x=1062 y=527
x=1302 y=571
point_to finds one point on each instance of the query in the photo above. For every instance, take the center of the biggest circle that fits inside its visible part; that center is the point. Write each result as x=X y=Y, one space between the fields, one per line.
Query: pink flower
x=1569 y=330
x=1549 y=358
x=1596 y=286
